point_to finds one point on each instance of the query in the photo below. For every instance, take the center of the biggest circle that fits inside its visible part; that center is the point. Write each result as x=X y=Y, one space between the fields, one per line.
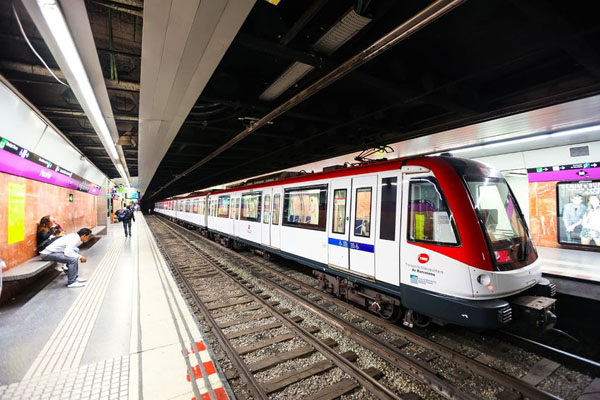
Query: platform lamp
x=57 y=25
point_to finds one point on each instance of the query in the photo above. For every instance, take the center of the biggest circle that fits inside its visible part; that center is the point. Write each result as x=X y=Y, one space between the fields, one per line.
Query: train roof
x=387 y=165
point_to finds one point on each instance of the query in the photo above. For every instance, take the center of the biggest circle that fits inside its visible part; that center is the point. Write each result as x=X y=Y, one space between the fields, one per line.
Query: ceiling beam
x=37 y=70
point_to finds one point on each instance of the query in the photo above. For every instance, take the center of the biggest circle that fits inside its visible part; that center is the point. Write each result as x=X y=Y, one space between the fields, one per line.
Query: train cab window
x=362 y=213
x=267 y=210
x=339 y=211
x=429 y=218
x=276 y=206
x=387 y=221
x=305 y=207
x=251 y=204
x=223 y=209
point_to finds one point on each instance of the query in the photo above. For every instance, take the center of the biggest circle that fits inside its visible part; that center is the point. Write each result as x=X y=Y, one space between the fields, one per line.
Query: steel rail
x=368 y=382
x=467 y=363
x=398 y=34
x=377 y=346
x=253 y=385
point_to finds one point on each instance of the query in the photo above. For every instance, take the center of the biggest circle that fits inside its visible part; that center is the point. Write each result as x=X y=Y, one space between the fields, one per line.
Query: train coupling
x=534 y=314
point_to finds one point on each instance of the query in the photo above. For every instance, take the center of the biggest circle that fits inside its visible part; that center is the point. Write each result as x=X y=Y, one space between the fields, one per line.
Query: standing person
x=64 y=250
x=128 y=215
x=572 y=217
x=591 y=222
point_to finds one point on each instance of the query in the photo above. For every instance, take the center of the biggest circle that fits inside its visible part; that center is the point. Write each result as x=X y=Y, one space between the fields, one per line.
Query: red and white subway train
x=427 y=238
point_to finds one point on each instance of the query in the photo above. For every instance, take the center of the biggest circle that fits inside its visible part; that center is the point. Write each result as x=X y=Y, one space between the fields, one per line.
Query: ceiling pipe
x=401 y=32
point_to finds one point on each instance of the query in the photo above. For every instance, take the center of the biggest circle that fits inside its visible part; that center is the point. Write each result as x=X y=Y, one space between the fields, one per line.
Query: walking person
x=127 y=216
x=65 y=250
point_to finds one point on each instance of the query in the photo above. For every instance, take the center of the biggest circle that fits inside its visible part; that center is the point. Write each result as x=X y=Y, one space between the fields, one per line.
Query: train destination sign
x=18 y=161
x=569 y=172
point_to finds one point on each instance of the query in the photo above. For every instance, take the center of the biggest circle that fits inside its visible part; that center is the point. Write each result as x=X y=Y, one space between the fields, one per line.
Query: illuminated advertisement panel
x=578 y=213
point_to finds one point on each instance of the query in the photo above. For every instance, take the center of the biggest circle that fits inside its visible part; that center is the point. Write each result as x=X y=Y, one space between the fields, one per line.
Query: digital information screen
x=578 y=209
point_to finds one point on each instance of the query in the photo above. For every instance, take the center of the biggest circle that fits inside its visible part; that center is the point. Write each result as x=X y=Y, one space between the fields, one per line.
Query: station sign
x=18 y=161
x=567 y=172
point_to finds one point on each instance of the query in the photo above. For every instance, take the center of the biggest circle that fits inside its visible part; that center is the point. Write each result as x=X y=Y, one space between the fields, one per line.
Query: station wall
x=540 y=198
x=40 y=199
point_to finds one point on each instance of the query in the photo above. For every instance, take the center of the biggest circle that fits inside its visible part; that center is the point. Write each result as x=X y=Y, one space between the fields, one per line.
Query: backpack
x=120 y=214
x=46 y=243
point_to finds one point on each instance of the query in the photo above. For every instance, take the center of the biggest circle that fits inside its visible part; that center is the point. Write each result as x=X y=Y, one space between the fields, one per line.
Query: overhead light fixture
x=62 y=36
x=544 y=136
x=342 y=31
x=123 y=175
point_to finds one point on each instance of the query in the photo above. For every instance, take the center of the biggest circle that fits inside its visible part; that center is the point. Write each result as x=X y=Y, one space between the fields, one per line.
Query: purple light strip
x=15 y=165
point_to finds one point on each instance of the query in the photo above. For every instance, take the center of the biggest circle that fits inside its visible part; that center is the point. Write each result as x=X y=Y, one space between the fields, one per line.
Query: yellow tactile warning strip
x=64 y=350
x=169 y=356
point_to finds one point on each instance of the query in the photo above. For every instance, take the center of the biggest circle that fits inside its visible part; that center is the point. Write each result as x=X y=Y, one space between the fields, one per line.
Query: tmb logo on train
x=423 y=258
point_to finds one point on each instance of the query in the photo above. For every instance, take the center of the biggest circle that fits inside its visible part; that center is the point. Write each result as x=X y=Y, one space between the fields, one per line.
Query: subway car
x=419 y=239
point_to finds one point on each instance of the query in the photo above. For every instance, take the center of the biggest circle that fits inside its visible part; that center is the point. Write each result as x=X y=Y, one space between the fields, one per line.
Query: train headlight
x=484 y=279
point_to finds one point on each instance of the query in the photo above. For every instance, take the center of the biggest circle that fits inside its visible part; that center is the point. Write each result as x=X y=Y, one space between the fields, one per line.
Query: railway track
x=240 y=293
x=417 y=366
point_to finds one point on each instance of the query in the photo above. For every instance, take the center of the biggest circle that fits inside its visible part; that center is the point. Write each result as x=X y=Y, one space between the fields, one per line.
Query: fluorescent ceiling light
x=123 y=175
x=58 y=27
x=569 y=132
x=342 y=31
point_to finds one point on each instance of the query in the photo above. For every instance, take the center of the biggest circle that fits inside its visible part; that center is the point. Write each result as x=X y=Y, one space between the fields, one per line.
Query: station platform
x=127 y=334
x=575 y=273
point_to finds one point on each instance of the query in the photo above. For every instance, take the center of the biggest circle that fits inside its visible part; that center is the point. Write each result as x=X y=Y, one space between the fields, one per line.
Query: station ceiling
x=481 y=60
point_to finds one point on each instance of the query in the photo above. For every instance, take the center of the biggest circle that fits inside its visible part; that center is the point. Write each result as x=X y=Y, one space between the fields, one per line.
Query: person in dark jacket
x=127 y=217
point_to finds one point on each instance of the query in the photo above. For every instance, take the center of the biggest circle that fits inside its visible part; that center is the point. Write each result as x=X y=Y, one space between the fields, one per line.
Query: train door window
x=305 y=207
x=388 y=208
x=188 y=206
x=201 y=207
x=251 y=204
x=276 y=205
x=267 y=210
x=339 y=211
x=429 y=218
x=362 y=213
x=223 y=210
x=237 y=208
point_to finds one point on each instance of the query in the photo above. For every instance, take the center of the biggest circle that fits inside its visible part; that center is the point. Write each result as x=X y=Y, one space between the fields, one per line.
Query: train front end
x=504 y=269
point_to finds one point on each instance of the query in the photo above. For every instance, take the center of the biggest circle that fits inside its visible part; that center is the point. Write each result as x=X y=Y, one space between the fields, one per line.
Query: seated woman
x=47 y=229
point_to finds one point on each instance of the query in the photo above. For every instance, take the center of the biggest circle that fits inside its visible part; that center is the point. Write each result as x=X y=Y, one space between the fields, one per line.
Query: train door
x=362 y=224
x=339 y=235
x=276 y=218
x=234 y=214
x=266 y=217
x=387 y=234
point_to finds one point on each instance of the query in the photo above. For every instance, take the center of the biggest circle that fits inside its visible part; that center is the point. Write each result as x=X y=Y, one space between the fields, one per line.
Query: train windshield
x=504 y=226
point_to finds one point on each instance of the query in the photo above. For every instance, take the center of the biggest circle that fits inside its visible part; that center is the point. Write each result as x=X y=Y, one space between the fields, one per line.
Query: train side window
x=223 y=208
x=339 y=211
x=267 y=210
x=251 y=205
x=429 y=218
x=195 y=206
x=305 y=207
x=276 y=205
x=237 y=208
x=362 y=213
x=188 y=206
x=201 y=208
x=388 y=208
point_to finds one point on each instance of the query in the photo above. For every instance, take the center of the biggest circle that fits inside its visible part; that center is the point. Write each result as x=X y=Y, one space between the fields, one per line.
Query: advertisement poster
x=16 y=212
x=578 y=205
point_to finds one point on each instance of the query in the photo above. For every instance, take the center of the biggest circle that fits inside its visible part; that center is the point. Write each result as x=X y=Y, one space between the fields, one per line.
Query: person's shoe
x=59 y=268
x=76 y=284
x=78 y=279
x=65 y=269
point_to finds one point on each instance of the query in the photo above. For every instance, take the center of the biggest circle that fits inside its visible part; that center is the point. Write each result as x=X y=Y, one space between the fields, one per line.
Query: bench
x=35 y=265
